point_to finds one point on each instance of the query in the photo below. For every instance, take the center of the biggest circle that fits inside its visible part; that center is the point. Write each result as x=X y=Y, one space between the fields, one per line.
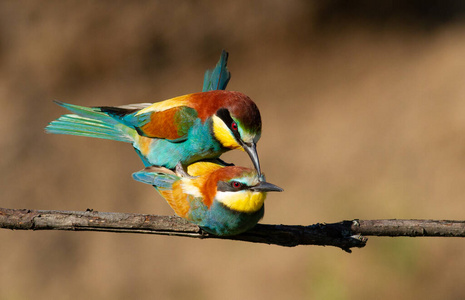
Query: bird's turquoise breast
x=220 y=220
x=200 y=144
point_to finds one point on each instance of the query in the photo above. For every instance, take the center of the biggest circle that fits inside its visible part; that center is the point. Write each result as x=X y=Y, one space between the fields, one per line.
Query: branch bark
x=411 y=228
x=345 y=234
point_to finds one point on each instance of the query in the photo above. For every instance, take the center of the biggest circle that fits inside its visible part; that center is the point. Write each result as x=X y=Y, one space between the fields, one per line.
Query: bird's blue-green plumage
x=220 y=220
x=216 y=219
x=200 y=145
x=87 y=121
x=161 y=181
x=217 y=78
x=176 y=130
x=161 y=152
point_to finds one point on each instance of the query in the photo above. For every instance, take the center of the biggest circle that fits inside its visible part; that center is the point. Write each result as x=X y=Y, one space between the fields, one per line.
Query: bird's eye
x=236 y=184
x=234 y=126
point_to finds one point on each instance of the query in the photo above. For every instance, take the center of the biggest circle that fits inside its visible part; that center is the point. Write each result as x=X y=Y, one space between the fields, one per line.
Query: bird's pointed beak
x=264 y=186
x=251 y=150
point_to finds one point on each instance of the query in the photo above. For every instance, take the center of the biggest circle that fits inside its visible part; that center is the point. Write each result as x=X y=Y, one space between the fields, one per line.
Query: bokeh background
x=363 y=106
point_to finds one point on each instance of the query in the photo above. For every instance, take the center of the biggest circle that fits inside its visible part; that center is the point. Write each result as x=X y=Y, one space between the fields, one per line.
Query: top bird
x=184 y=129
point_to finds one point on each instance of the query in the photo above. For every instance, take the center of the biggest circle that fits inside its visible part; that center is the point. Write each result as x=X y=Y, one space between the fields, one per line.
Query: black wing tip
x=116 y=111
x=225 y=55
x=58 y=102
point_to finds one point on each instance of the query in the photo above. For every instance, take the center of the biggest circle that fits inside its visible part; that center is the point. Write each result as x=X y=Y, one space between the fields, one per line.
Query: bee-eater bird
x=217 y=78
x=184 y=129
x=221 y=200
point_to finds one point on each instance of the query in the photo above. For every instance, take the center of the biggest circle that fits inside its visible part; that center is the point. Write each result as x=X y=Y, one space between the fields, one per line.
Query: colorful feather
x=217 y=78
x=223 y=200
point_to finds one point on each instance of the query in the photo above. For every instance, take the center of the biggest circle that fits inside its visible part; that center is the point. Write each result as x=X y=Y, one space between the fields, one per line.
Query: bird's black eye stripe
x=229 y=186
x=224 y=115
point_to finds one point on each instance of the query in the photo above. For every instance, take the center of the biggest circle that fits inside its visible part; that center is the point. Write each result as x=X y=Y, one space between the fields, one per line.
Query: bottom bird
x=222 y=200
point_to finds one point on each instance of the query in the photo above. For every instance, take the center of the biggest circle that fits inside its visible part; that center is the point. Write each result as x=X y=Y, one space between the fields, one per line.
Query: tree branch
x=345 y=234
x=411 y=228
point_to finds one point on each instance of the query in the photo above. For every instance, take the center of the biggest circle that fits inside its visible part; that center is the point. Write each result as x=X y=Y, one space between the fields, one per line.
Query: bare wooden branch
x=337 y=234
x=345 y=234
x=412 y=228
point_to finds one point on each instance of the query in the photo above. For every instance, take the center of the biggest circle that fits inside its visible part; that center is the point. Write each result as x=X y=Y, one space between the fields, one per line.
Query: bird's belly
x=222 y=221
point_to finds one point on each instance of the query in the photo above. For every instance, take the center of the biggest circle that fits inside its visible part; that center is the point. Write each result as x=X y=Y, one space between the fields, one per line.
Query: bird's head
x=238 y=188
x=238 y=125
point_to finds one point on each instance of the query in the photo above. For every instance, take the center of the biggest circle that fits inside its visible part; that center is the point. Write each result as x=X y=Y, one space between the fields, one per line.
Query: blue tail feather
x=88 y=112
x=87 y=121
x=217 y=78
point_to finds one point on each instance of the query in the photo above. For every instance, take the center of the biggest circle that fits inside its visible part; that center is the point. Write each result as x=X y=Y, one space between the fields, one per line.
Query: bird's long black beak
x=264 y=186
x=251 y=150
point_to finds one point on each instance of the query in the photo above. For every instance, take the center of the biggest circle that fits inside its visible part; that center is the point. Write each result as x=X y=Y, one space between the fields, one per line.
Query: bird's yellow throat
x=243 y=201
x=224 y=135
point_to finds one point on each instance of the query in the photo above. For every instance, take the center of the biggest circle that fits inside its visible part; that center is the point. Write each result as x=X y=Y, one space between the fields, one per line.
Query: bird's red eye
x=236 y=184
x=234 y=126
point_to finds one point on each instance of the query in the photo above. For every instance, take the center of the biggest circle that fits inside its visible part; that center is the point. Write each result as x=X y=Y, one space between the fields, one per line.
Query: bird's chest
x=201 y=143
x=201 y=135
x=221 y=220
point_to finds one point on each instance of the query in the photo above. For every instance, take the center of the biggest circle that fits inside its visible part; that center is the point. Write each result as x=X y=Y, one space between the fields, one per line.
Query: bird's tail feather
x=217 y=78
x=90 y=122
x=161 y=178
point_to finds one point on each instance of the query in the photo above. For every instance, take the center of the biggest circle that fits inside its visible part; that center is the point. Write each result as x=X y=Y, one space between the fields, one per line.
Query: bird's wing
x=159 y=177
x=171 y=124
x=162 y=122
x=217 y=78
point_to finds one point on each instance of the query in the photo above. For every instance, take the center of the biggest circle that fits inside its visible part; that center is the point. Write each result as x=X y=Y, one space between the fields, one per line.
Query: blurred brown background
x=363 y=106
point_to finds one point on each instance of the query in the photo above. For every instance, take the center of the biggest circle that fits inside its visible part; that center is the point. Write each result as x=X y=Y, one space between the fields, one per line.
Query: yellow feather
x=244 y=201
x=202 y=168
x=167 y=104
x=224 y=135
x=143 y=144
